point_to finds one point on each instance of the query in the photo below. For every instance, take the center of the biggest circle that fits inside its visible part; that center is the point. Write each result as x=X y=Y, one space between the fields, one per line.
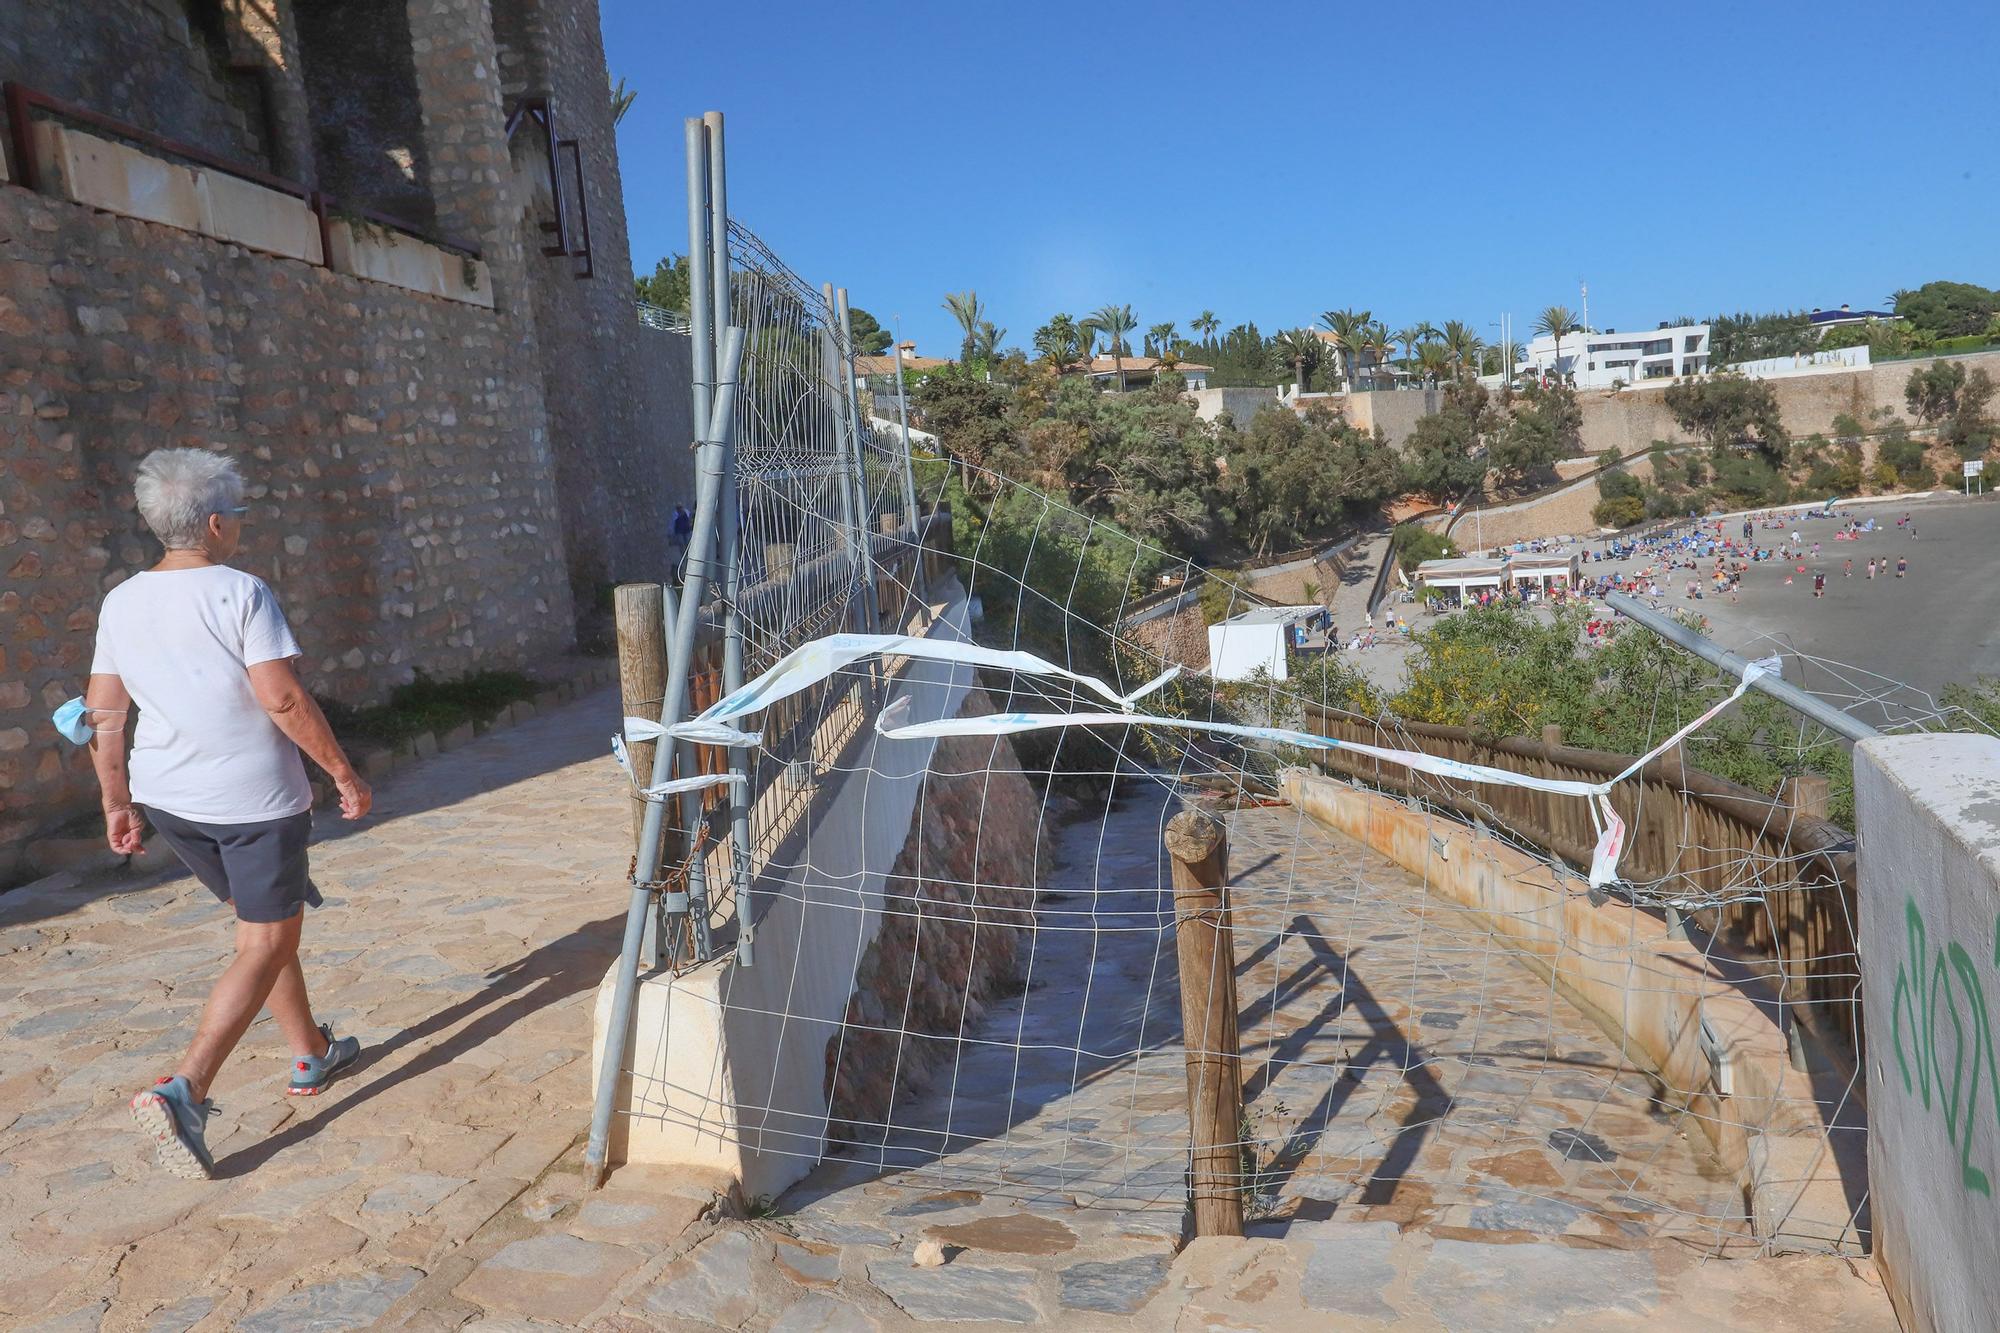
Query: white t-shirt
x=182 y=640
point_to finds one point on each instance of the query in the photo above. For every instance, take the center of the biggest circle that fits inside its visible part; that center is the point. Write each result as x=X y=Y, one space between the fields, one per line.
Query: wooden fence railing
x=1789 y=871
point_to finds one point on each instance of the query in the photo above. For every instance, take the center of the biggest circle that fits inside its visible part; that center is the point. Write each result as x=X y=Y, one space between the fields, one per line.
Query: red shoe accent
x=164 y=1078
x=303 y=1066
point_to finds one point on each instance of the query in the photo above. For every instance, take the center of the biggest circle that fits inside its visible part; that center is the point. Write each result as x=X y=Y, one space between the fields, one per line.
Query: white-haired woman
x=204 y=652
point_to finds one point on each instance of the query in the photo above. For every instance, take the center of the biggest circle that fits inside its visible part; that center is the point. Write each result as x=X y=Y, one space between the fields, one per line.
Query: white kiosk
x=1538 y=573
x=1461 y=578
x=1258 y=638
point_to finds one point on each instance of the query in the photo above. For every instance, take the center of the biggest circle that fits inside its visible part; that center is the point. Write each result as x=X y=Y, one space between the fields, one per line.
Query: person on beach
x=204 y=652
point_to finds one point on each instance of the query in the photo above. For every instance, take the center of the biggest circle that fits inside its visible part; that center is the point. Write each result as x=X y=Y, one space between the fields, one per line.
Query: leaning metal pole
x=731 y=542
x=641 y=919
x=618 y=1028
x=1810 y=705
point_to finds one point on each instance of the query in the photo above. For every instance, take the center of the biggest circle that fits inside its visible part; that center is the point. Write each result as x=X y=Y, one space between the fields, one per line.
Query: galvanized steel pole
x=639 y=918
x=1810 y=705
x=864 y=514
x=731 y=542
x=909 y=470
x=680 y=658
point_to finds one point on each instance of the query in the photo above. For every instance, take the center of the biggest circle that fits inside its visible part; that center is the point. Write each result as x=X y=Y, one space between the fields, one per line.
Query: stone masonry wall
x=946 y=947
x=402 y=503
x=622 y=441
x=139 y=60
x=1566 y=511
x=1180 y=636
x=1632 y=418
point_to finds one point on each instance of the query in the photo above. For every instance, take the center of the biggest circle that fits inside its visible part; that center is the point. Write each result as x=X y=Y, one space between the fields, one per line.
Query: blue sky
x=1273 y=161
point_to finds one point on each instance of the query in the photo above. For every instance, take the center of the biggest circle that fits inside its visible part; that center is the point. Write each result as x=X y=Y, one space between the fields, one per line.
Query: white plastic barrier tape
x=812 y=663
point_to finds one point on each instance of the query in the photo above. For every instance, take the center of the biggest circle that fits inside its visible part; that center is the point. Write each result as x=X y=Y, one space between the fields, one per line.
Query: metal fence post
x=853 y=512
x=909 y=472
x=643 y=927
x=864 y=512
x=680 y=660
x=730 y=541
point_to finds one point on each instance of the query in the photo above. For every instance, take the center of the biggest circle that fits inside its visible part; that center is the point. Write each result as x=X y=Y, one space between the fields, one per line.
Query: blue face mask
x=73 y=721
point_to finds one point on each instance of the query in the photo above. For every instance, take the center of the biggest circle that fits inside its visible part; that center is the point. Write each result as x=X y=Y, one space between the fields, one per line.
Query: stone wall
x=1177 y=635
x=143 y=61
x=1562 y=512
x=1632 y=418
x=622 y=441
x=1240 y=402
x=402 y=497
x=956 y=911
x=360 y=76
x=1928 y=814
x=430 y=480
x=1394 y=412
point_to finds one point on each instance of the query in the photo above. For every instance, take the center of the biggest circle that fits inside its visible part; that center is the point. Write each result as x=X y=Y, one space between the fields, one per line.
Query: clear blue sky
x=1277 y=160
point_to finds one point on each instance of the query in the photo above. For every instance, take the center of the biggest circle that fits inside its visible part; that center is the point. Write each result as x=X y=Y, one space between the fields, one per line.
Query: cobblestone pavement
x=1440 y=1142
x=467 y=925
x=438 y=1187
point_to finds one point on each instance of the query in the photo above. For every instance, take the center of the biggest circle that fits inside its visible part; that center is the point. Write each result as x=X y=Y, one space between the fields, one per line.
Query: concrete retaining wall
x=1241 y=403
x=1631 y=419
x=1929 y=814
x=1650 y=994
x=732 y=1065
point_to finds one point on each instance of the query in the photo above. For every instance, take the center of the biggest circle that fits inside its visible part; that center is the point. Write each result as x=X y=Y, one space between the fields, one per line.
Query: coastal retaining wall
x=1928 y=809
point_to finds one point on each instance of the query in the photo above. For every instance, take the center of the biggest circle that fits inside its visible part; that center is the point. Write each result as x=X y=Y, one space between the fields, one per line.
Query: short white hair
x=177 y=489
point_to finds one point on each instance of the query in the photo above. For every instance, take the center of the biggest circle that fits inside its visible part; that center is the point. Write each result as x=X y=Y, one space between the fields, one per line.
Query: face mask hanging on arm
x=72 y=720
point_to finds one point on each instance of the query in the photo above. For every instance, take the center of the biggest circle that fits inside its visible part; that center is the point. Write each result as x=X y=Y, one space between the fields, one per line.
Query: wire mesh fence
x=1408 y=1052
x=1444 y=1013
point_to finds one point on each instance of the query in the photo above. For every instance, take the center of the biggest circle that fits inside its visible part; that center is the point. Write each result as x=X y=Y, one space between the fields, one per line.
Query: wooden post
x=1806 y=796
x=1198 y=849
x=642 y=674
x=1552 y=735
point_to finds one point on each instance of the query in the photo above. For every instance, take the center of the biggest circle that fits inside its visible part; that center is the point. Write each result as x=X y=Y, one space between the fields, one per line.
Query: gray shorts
x=260 y=868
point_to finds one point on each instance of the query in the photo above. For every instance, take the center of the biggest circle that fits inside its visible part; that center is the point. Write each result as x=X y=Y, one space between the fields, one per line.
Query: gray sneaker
x=310 y=1076
x=168 y=1114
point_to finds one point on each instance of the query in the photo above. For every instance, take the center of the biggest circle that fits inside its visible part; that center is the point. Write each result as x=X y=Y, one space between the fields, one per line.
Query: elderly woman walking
x=204 y=652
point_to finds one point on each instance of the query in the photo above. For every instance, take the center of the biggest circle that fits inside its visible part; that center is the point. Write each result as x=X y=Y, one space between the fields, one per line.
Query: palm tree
x=1462 y=343
x=1555 y=321
x=1409 y=337
x=1160 y=338
x=1301 y=349
x=1432 y=361
x=621 y=99
x=1349 y=329
x=1060 y=341
x=1378 y=342
x=986 y=342
x=966 y=309
x=1116 y=321
x=1205 y=324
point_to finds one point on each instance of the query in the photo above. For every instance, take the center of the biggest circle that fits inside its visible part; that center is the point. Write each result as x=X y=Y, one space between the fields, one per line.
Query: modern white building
x=1598 y=360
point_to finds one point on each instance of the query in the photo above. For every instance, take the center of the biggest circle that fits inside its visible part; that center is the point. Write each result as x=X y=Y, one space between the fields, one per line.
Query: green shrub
x=428 y=704
x=1414 y=543
x=1620 y=511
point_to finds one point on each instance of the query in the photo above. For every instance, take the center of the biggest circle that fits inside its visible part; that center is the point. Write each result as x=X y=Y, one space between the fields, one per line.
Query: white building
x=1258 y=639
x=1600 y=359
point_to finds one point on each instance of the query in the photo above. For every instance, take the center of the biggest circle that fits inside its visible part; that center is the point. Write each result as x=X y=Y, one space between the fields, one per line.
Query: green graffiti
x=1926 y=981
